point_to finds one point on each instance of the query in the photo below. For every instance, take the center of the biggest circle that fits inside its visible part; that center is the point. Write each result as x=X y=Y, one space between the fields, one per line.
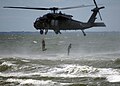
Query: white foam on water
x=74 y=71
x=7 y=63
x=71 y=71
x=113 y=78
x=25 y=60
x=35 y=82
x=112 y=75
x=18 y=74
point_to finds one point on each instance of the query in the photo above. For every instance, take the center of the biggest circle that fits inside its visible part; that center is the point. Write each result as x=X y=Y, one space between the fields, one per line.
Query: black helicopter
x=59 y=21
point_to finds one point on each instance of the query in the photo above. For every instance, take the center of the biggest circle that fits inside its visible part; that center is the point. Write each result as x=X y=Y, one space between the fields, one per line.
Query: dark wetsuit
x=69 y=47
x=43 y=45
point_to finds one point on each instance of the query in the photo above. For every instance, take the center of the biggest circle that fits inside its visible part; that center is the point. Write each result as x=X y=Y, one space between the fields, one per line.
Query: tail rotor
x=98 y=8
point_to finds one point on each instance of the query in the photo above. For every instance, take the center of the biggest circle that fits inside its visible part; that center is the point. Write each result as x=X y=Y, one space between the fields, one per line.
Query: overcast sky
x=22 y=20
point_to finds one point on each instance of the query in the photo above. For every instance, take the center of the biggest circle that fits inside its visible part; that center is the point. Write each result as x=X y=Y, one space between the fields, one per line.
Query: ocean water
x=94 y=60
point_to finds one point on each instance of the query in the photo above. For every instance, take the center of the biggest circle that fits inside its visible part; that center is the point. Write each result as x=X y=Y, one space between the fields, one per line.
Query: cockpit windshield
x=38 y=19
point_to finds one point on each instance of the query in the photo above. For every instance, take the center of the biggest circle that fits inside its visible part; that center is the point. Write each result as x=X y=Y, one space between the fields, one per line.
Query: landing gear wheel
x=83 y=33
x=56 y=32
x=46 y=31
x=41 y=32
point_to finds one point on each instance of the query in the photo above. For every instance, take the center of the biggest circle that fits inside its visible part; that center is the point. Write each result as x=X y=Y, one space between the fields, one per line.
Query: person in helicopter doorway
x=69 y=47
x=43 y=45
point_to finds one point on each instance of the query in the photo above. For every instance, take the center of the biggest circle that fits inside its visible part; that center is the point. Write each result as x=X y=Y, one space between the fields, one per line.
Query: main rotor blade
x=34 y=8
x=81 y=6
x=52 y=8
x=95 y=3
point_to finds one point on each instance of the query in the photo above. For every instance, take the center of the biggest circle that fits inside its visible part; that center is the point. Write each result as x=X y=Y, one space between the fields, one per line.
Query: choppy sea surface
x=94 y=60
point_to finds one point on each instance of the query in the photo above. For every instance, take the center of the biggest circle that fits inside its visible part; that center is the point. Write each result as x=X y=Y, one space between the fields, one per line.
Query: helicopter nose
x=36 y=25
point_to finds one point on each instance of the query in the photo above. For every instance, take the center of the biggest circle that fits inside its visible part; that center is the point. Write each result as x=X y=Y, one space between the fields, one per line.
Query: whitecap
x=72 y=71
x=34 y=82
x=7 y=63
x=25 y=60
x=113 y=78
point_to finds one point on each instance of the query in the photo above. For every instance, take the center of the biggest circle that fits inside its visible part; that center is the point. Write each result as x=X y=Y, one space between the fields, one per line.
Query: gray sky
x=22 y=20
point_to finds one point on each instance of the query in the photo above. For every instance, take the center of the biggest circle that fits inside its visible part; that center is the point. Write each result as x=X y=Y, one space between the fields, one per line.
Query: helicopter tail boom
x=99 y=24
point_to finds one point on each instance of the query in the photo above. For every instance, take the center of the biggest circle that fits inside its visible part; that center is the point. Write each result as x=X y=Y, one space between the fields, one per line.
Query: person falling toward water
x=69 y=47
x=43 y=45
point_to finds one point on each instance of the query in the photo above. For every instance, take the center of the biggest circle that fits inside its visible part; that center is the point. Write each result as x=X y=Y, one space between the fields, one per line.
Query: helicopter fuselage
x=59 y=21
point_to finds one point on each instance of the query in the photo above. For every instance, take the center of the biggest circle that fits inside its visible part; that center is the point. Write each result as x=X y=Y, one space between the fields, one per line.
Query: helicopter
x=58 y=21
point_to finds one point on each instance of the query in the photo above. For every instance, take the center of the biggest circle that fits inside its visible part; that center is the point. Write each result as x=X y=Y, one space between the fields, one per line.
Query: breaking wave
x=57 y=72
x=34 y=82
